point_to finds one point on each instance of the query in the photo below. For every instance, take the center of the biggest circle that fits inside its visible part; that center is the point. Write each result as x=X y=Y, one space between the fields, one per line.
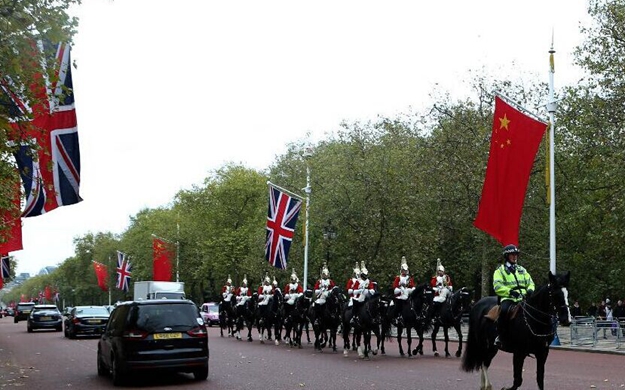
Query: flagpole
x=110 y=288
x=178 y=248
x=287 y=191
x=307 y=190
x=551 y=108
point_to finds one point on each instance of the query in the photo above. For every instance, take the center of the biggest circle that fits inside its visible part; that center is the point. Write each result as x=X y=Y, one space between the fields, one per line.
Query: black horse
x=269 y=316
x=329 y=320
x=450 y=315
x=226 y=317
x=532 y=326
x=368 y=313
x=295 y=318
x=246 y=316
x=416 y=314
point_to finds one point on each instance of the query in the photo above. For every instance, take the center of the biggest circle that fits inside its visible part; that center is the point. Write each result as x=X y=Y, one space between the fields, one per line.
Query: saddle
x=495 y=311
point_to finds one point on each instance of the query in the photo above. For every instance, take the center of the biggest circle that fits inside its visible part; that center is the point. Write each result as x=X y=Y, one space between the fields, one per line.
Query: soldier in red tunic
x=403 y=285
x=351 y=283
x=442 y=286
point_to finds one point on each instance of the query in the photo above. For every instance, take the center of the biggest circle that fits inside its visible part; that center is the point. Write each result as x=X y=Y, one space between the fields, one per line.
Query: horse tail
x=476 y=352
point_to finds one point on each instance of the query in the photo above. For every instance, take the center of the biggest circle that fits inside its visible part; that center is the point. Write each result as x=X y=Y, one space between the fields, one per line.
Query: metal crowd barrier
x=588 y=331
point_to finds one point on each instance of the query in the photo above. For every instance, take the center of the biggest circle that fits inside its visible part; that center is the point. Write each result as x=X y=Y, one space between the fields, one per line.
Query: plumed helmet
x=229 y=280
x=404 y=264
x=325 y=271
x=356 y=269
x=363 y=269
x=244 y=281
x=508 y=249
x=275 y=282
x=294 y=276
x=267 y=280
x=439 y=265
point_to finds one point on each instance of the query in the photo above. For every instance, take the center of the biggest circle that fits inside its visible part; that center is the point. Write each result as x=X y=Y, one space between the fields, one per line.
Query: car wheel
x=201 y=374
x=59 y=329
x=71 y=334
x=65 y=332
x=118 y=377
x=29 y=329
x=102 y=371
x=15 y=320
x=210 y=324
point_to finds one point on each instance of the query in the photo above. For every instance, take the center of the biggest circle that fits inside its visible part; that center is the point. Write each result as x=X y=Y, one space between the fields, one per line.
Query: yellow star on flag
x=504 y=122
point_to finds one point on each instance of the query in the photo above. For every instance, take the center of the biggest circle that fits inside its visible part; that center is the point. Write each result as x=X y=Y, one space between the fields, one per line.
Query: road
x=47 y=360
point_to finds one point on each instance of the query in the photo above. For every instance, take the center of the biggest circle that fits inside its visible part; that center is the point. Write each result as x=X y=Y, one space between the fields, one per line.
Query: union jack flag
x=281 y=218
x=51 y=175
x=124 y=272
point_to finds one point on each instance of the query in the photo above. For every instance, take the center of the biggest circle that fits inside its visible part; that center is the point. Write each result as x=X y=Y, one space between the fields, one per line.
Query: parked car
x=10 y=312
x=210 y=313
x=86 y=320
x=22 y=311
x=44 y=317
x=159 y=334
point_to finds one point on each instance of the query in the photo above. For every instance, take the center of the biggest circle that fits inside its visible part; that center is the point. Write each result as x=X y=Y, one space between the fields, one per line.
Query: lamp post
x=307 y=154
x=329 y=234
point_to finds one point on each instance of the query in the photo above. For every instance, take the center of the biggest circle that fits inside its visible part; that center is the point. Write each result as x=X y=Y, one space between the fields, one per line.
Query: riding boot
x=502 y=325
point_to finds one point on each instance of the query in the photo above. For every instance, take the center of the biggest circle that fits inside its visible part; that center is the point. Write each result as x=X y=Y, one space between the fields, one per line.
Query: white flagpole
x=307 y=190
x=551 y=108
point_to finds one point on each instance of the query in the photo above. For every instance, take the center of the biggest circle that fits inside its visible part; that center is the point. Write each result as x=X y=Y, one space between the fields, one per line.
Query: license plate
x=45 y=318
x=166 y=336
x=93 y=321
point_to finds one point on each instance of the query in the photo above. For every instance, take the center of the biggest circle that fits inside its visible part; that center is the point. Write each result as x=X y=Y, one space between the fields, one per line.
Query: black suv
x=154 y=335
x=23 y=311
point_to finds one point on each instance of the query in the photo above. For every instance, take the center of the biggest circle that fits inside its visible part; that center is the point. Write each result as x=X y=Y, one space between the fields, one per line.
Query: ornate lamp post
x=329 y=234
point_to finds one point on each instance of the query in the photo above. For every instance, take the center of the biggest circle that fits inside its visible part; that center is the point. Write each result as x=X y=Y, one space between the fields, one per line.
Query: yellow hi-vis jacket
x=504 y=281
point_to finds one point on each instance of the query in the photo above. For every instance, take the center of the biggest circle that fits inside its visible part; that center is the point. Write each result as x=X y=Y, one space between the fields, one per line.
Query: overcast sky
x=168 y=91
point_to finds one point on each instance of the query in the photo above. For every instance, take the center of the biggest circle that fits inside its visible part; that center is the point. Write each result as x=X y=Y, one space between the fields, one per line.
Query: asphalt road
x=47 y=360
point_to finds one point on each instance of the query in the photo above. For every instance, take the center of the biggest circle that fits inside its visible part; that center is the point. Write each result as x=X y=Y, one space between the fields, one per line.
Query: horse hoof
x=435 y=353
x=277 y=342
x=262 y=341
x=249 y=339
x=458 y=354
x=345 y=353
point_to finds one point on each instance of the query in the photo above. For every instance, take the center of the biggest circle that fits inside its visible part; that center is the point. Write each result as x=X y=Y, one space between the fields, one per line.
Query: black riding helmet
x=508 y=249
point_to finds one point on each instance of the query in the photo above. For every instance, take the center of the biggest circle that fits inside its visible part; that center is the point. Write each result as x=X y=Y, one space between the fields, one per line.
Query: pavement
x=586 y=338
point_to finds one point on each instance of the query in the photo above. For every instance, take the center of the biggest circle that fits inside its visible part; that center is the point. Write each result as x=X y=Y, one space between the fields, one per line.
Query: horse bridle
x=526 y=313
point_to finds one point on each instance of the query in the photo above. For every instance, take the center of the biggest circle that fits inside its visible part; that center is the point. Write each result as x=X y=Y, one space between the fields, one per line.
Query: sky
x=168 y=91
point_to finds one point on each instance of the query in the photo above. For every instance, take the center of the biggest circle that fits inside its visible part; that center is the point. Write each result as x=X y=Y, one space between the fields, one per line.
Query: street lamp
x=329 y=234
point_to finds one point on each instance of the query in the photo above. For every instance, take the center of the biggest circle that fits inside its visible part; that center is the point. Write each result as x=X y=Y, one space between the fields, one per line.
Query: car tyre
x=118 y=377
x=15 y=321
x=29 y=329
x=59 y=329
x=71 y=334
x=201 y=374
x=102 y=370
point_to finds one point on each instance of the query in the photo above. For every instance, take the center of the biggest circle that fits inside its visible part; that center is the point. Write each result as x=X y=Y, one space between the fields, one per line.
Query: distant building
x=46 y=270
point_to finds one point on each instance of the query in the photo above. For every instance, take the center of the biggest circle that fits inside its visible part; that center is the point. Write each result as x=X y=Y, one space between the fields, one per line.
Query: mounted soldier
x=322 y=289
x=265 y=292
x=442 y=286
x=351 y=283
x=243 y=293
x=403 y=285
x=292 y=291
x=363 y=289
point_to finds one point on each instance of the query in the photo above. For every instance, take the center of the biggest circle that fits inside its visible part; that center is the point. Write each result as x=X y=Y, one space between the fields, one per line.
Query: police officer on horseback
x=323 y=287
x=512 y=283
x=403 y=285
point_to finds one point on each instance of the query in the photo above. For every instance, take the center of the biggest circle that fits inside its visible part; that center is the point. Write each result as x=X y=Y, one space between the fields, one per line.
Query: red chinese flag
x=11 y=234
x=513 y=146
x=162 y=260
x=102 y=273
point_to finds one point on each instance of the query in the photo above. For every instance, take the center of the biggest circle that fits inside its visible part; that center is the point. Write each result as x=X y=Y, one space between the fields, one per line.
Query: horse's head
x=461 y=300
x=558 y=289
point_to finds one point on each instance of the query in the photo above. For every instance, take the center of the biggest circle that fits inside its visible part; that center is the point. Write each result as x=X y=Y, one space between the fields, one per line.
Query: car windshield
x=213 y=309
x=92 y=311
x=151 y=318
x=27 y=307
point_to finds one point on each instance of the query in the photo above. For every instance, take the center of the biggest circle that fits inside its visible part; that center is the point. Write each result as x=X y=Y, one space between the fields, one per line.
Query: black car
x=44 y=317
x=86 y=320
x=22 y=311
x=160 y=334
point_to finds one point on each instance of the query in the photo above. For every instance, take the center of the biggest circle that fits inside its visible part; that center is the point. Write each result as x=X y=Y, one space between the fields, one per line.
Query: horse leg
x=409 y=338
x=401 y=348
x=346 y=329
x=446 y=333
x=459 y=331
x=518 y=359
x=541 y=359
x=484 y=380
x=434 y=333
